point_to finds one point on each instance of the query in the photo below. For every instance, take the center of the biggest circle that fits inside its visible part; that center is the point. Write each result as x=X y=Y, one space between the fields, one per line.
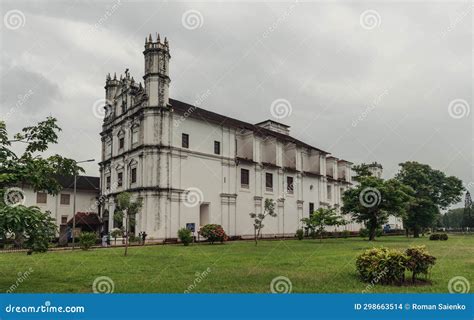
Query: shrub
x=439 y=236
x=300 y=234
x=133 y=238
x=434 y=236
x=419 y=261
x=213 y=233
x=345 y=233
x=87 y=240
x=185 y=235
x=382 y=265
x=364 y=233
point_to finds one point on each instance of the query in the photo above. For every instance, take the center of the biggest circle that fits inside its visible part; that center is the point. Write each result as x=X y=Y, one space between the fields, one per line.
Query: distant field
x=236 y=267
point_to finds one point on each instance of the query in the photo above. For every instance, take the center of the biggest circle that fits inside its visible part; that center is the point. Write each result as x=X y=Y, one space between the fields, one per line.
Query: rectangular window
x=135 y=136
x=119 y=179
x=269 y=181
x=133 y=175
x=289 y=185
x=108 y=149
x=121 y=143
x=63 y=219
x=185 y=140
x=41 y=197
x=107 y=182
x=244 y=178
x=329 y=191
x=311 y=208
x=217 y=147
x=65 y=198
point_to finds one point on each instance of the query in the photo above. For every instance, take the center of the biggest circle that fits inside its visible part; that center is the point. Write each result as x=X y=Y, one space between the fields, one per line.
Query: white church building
x=194 y=166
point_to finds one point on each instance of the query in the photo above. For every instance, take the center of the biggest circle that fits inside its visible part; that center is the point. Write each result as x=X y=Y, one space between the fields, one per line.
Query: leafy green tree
x=322 y=218
x=30 y=167
x=361 y=170
x=127 y=209
x=374 y=200
x=453 y=219
x=269 y=210
x=433 y=190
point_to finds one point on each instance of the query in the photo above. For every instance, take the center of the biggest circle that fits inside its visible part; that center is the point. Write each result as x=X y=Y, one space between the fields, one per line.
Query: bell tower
x=157 y=80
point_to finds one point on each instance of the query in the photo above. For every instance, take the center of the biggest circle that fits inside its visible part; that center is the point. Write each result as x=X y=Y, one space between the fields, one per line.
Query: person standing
x=143 y=237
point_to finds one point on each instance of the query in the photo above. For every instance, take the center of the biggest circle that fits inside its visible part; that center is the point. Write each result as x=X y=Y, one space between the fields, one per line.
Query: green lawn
x=234 y=267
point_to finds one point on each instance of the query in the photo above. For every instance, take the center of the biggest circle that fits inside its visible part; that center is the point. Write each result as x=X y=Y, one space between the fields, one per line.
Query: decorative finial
x=149 y=38
x=115 y=75
x=166 y=41
x=158 y=37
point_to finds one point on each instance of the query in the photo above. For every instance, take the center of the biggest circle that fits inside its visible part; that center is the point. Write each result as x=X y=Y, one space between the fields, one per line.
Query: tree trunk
x=416 y=232
x=407 y=232
x=256 y=236
x=372 y=232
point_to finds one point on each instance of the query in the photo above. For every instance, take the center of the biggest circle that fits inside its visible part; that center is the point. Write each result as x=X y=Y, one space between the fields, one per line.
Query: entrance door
x=204 y=214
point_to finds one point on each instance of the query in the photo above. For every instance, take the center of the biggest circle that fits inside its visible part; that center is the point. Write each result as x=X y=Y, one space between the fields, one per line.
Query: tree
x=321 y=218
x=453 y=219
x=269 y=210
x=127 y=209
x=433 y=190
x=29 y=224
x=374 y=200
x=361 y=170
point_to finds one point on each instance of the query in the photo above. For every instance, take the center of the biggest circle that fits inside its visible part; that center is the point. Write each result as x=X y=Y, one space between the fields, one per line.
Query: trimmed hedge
x=388 y=266
x=439 y=236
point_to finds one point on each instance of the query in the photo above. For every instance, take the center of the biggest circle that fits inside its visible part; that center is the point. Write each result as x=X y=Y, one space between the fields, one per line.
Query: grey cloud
x=315 y=55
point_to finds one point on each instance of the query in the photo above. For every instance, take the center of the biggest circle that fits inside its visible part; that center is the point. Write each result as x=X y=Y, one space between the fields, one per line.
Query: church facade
x=193 y=166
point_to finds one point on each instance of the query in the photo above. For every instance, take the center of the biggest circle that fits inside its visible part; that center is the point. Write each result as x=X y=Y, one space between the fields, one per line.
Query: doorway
x=204 y=214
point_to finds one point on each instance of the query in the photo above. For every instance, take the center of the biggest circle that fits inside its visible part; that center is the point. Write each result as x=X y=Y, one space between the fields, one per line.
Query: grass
x=236 y=267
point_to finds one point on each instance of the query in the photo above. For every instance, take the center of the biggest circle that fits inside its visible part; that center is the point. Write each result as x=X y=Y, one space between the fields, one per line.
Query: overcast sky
x=376 y=81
